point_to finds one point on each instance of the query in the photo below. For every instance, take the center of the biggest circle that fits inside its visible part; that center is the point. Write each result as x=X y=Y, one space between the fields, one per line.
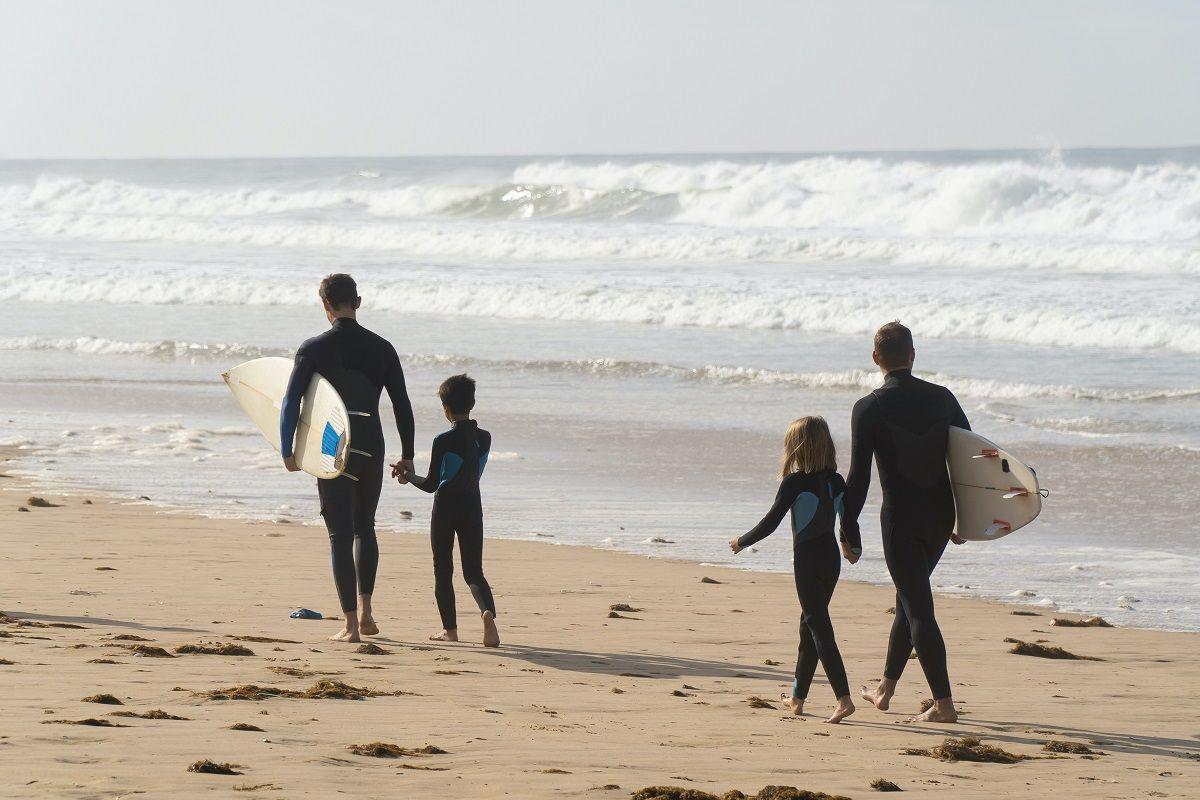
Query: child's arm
x=429 y=483
x=784 y=499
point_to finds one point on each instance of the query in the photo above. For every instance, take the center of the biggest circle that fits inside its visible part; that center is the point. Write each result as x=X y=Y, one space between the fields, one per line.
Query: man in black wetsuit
x=904 y=425
x=360 y=365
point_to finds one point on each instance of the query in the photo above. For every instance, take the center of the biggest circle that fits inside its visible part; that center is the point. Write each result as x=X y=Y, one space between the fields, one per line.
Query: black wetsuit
x=360 y=365
x=455 y=466
x=904 y=425
x=814 y=499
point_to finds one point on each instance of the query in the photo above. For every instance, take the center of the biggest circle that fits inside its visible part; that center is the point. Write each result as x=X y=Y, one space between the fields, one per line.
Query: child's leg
x=814 y=586
x=441 y=537
x=806 y=663
x=470 y=549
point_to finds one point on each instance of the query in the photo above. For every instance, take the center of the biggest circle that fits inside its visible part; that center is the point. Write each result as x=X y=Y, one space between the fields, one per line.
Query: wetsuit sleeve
x=289 y=413
x=429 y=483
x=958 y=417
x=401 y=406
x=785 y=498
x=858 y=480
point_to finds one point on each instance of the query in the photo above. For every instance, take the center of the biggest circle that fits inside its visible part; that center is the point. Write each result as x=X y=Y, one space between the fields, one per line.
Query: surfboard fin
x=988 y=454
x=1016 y=492
x=996 y=528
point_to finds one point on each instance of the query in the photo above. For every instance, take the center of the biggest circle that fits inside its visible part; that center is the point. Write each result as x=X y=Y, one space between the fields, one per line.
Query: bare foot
x=367 y=626
x=448 y=635
x=845 y=708
x=491 y=636
x=346 y=634
x=941 y=711
x=794 y=704
x=880 y=696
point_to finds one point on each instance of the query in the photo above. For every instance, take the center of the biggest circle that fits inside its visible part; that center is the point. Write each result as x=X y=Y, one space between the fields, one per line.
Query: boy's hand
x=849 y=554
x=734 y=545
x=289 y=463
x=954 y=537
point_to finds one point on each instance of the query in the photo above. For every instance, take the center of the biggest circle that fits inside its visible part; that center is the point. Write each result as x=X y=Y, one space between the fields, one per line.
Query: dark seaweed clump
x=91 y=721
x=213 y=768
x=245 y=726
x=157 y=713
x=215 y=649
x=884 y=785
x=1086 y=622
x=968 y=748
x=106 y=699
x=321 y=690
x=1074 y=748
x=389 y=750
x=766 y=793
x=758 y=702
x=1021 y=648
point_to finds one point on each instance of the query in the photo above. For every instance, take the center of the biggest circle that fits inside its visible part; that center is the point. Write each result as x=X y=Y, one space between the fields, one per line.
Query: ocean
x=642 y=328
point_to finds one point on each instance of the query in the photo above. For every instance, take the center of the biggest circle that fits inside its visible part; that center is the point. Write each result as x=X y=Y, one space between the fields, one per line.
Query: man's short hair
x=457 y=393
x=338 y=290
x=893 y=345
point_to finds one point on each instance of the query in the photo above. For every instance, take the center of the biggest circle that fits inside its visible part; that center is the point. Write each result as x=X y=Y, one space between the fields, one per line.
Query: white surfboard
x=323 y=433
x=994 y=492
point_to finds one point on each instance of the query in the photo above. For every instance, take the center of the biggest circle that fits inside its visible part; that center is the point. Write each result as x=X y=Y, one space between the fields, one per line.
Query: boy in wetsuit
x=455 y=466
x=811 y=489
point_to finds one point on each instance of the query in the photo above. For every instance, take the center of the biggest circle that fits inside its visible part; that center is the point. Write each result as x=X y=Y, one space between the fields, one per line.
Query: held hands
x=849 y=554
x=734 y=545
x=289 y=463
x=954 y=537
x=402 y=469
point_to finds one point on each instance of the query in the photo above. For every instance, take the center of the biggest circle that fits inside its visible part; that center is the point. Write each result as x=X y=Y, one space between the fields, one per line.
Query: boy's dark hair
x=457 y=393
x=339 y=289
x=893 y=345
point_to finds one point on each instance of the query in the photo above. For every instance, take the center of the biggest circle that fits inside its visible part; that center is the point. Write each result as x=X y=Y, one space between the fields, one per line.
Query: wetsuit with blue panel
x=904 y=427
x=360 y=365
x=814 y=500
x=456 y=464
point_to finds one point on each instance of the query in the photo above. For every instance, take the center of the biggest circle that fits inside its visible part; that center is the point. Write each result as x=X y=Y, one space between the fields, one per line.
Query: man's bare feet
x=448 y=635
x=881 y=695
x=491 y=636
x=794 y=704
x=845 y=708
x=941 y=711
x=366 y=620
x=348 y=633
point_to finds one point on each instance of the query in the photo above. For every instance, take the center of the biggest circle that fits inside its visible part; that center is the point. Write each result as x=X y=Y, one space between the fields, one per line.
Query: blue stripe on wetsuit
x=451 y=464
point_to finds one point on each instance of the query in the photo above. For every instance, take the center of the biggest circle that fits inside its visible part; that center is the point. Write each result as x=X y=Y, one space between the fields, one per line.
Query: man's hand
x=849 y=554
x=289 y=463
x=402 y=469
x=954 y=537
x=734 y=545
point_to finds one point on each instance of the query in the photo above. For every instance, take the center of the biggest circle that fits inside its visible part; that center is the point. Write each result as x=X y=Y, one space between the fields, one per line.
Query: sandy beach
x=577 y=703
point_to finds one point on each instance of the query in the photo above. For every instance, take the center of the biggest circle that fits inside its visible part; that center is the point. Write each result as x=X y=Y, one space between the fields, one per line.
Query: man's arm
x=402 y=408
x=289 y=413
x=958 y=417
x=858 y=480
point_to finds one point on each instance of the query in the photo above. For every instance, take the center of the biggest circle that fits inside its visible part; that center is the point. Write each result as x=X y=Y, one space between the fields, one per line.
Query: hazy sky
x=294 y=78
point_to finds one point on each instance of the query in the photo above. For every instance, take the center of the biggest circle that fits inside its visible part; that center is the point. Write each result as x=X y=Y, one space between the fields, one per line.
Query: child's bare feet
x=448 y=635
x=845 y=708
x=794 y=704
x=881 y=695
x=491 y=636
x=366 y=620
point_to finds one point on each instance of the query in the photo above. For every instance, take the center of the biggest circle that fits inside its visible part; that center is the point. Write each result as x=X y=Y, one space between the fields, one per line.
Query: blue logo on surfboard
x=330 y=439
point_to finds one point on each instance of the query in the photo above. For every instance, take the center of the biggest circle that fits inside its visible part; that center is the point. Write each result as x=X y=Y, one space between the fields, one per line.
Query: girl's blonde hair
x=808 y=447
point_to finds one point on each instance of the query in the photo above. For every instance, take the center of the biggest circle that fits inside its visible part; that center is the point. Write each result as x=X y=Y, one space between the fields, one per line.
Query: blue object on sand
x=306 y=613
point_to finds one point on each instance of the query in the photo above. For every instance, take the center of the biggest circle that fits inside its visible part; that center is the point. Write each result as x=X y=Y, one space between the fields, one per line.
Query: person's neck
x=337 y=315
x=889 y=371
x=460 y=418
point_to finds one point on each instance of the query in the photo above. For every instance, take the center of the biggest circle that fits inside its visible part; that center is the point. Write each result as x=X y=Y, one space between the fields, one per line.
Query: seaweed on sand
x=623 y=607
x=91 y=721
x=968 y=748
x=1021 y=648
x=389 y=750
x=766 y=793
x=106 y=699
x=1086 y=622
x=321 y=690
x=758 y=702
x=146 y=651
x=370 y=649
x=156 y=713
x=1074 y=748
x=264 y=640
x=245 y=726
x=884 y=785
x=128 y=637
x=215 y=649
x=213 y=768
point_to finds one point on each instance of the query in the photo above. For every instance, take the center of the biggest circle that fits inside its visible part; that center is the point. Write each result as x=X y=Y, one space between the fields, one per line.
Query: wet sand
x=574 y=701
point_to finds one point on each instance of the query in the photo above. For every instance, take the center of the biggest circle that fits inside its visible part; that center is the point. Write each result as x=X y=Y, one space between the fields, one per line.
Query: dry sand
x=573 y=702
